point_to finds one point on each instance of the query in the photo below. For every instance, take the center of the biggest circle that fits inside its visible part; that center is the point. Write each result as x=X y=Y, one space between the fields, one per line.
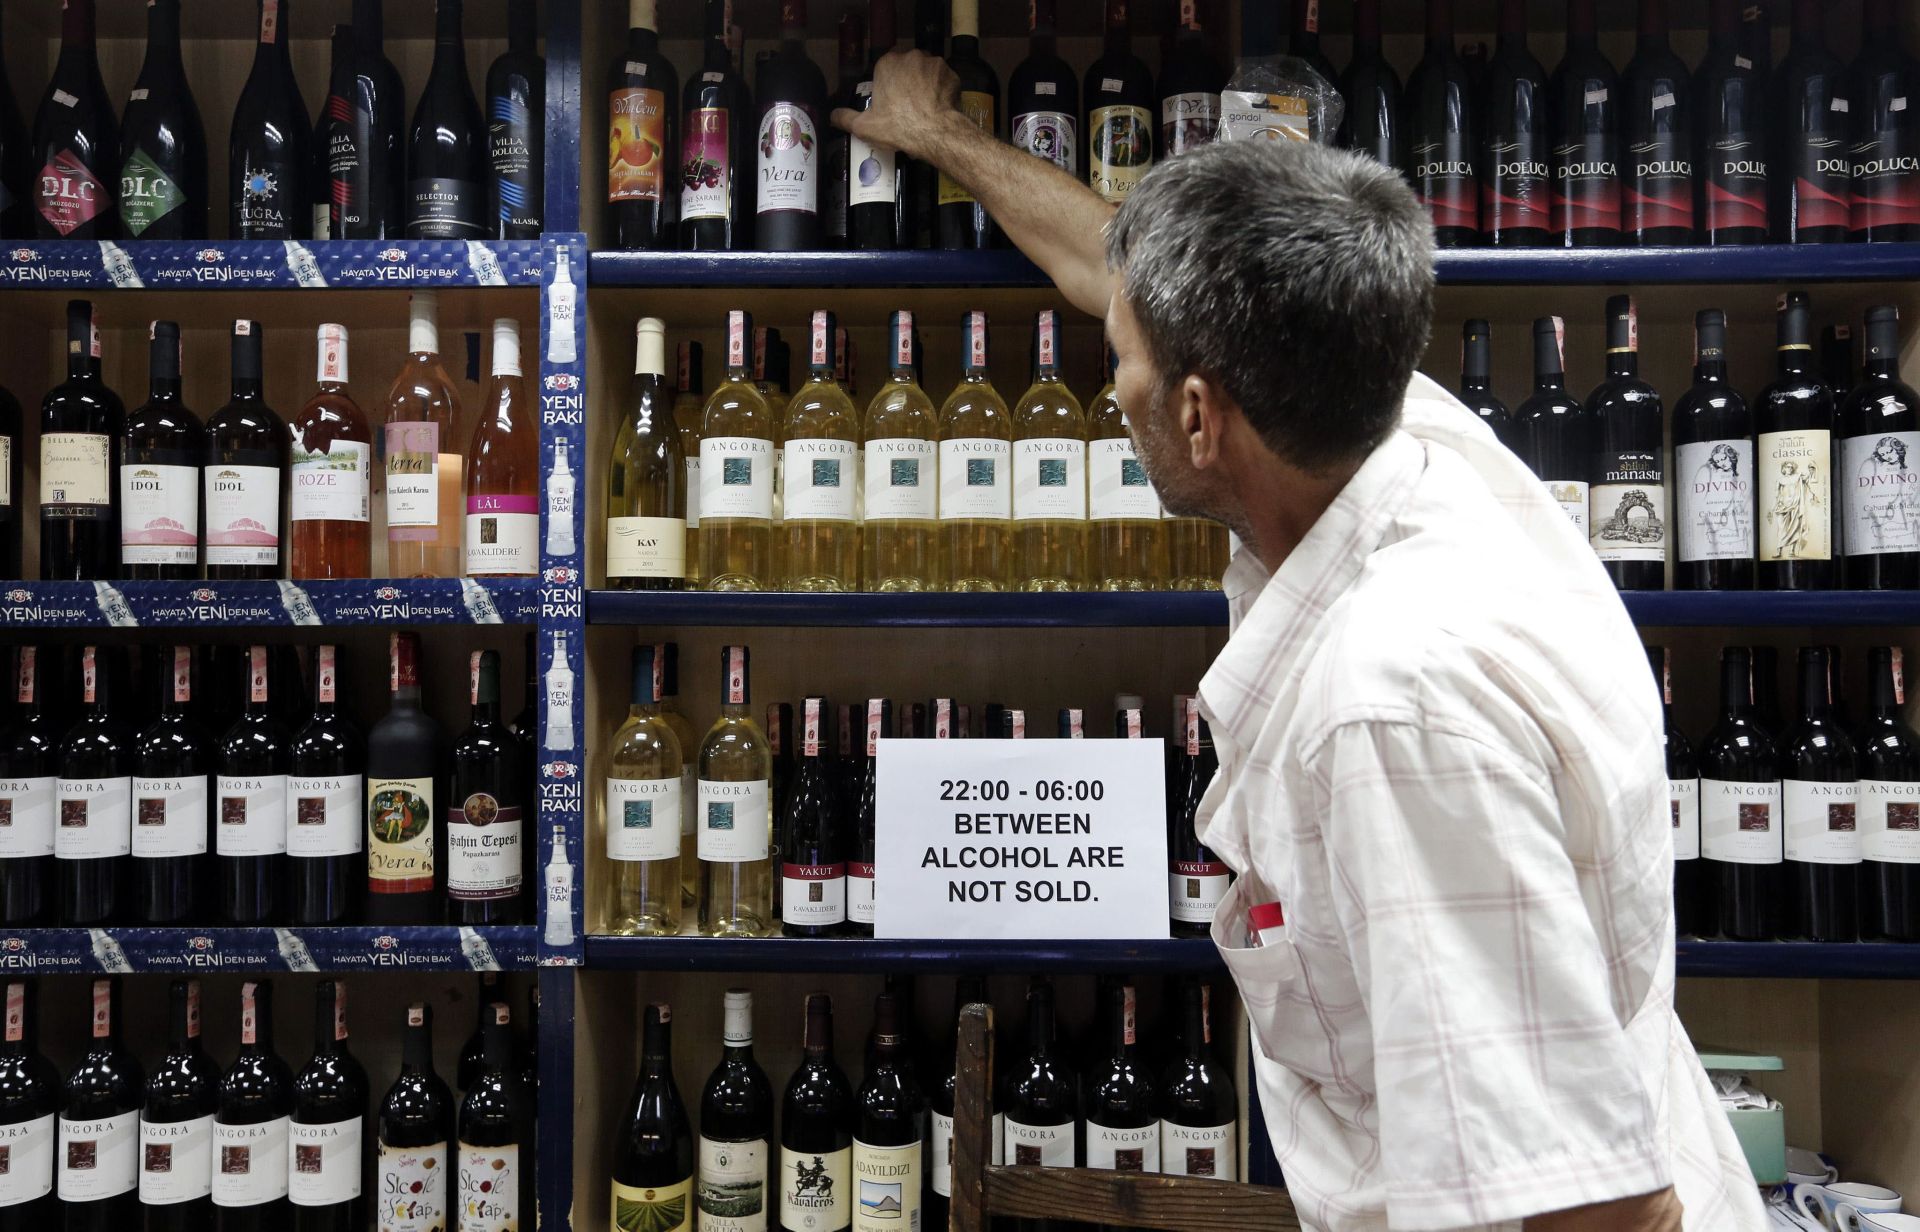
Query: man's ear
x=1205 y=416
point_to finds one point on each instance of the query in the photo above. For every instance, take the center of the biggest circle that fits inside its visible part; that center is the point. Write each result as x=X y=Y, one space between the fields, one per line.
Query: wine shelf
x=1801 y=960
x=266 y=265
x=49 y=951
x=383 y=601
x=868 y=956
x=1758 y=609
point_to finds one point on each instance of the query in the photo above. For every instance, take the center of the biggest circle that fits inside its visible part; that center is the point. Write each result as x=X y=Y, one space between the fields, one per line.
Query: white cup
x=1805 y=1167
x=1889 y=1221
x=1840 y=1205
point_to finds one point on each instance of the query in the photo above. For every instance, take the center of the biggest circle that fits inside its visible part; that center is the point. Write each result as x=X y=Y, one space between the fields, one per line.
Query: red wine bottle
x=252 y=1127
x=172 y=759
x=1713 y=503
x=1886 y=146
x=790 y=100
x=1820 y=795
x=1123 y=1122
x=816 y=1132
x=1196 y=876
x=1442 y=138
x=1793 y=423
x=1371 y=122
x=1692 y=900
x=1889 y=799
x=1119 y=111
x=268 y=159
x=326 y=799
x=960 y=221
x=163 y=146
x=1813 y=132
x=862 y=842
x=380 y=126
x=1476 y=375
x=1043 y=95
x=486 y=826
x=76 y=140
x=890 y=1115
x=1657 y=110
x=1199 y=1113
x=643 y=195
x=836 y=143
x=1042 y=1093
x=160 y=472
x=517 y=131
x=94 y=801
x=30 y=1097
x=1584 y=119
x=1740 y=827
x=736 y=1120
x=494 y=1150
x=487 y=994
x=81 y=423
x=1628 y=496
x=176 y=1124
x=1879 y=428
x=1730 y=142
x=813 y=870
x=447 y=146
x=415 y=1127
x=98 y=1152
x=28 y=749
x=1303 y=38
x=1552 y=426
x=250 y=808
x=879 y=200
x=343 y=161
x=11 y=497
x=715 y=185
x=18 y=183
x=324 y=1131
x=406 y=795
x=245 y=471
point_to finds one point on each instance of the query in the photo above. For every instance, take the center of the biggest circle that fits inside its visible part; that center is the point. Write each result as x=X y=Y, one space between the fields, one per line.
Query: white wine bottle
x=902 y=459
x=1127 y=539
x=736 y=473
x=1049 y=473
x=688 y=399
x=820 y=540
x=976 y=455
x=1197 y=553
x=668 y=653
x=735 y=824
x=646 y=481
x=643 y=810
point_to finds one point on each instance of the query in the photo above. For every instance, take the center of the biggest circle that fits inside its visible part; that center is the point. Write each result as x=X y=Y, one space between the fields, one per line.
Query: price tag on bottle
x=1020 y=839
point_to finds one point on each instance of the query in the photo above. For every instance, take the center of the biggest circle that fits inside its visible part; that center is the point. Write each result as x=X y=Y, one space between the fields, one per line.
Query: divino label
x=940 y=1147
x=98 y=1157
x=789 y=160
x=413 y=481
x=860 y=892
x=648 y=1208
x=487 y=1189
x=410 y=1188
x=95 y=818
x=1188 y=121
x=813 y=895
x=871 y=172
x=706 y=168
x=1119 y=149
x=1200 y=1150
x=176 y=1161
x=243 y=514
x=1683 y=802
x=886 y=1183
x=1571 y=496
x=1713 y=500
x=1043 y=1146
x=485 y=839
x=646 y=548
x=323 y=1162
x=1628 y=519
x=978 y=107
x=323 y=814
x=1886 y=173
x=1890 y=821
x=1516 y=184
x=736 y=477
x=159 y=514
x=1796 y=495
x=643 y=819
x=29 y=1147
x=1195 y=888
x=331 y=485
x=1659 y=187
x=733 y=822
x=1880 y=474
x=821 y=477
x=1740 y=822
x=147 y=194
x=732 y=1192
x=1821 y=190
x=503 y=535
x=814 y=1188
x=73 y=475
x=250 y=815
x=69 y=195
x=27 y=808
x=399 y=835
x=1736 y=181
x=693 y=491
x=899 y=476
x=265 y=204
x=1050 y=479
x=1117 y=486
x=169 y=817
x=1822 y=821
x=1048 y=135
x=250 y=1163
x=1586 y=180
x=1124 y=1150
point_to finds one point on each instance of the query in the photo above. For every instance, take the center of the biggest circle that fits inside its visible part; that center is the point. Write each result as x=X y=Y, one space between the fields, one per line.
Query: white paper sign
x=1021 y=839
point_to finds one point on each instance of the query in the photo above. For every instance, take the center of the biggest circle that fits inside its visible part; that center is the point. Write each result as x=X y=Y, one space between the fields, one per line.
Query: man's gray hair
x=1299 y=278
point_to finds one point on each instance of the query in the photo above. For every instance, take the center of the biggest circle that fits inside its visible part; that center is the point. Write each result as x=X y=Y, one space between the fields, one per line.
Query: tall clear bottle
x=647 y=516
x=1049 y=474
x=642 y=809
x=820 y=474
x=736 y=473
x=1127 y=537
x=418 y=452
x=899 y=539
x=503 y=470
x=332 y=528
x=735 y=824
x=976 y=464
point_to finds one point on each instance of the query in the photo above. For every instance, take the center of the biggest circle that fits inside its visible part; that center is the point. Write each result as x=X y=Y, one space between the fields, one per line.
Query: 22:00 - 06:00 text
x=961 y=791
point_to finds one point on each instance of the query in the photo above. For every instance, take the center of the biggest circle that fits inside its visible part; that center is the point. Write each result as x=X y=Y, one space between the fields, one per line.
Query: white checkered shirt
x=1440 y=752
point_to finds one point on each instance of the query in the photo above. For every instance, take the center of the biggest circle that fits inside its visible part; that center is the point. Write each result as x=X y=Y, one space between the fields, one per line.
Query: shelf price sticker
x=1020 y=840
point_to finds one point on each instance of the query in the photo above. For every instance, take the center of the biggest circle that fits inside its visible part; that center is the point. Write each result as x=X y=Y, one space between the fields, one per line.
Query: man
x=1441 y=780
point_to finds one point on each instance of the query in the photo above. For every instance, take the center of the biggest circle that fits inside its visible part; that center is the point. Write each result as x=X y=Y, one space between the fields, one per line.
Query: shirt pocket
x=1268 y=976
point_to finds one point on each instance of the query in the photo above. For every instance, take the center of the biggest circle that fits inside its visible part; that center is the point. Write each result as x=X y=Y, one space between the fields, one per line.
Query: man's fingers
x=847 y=118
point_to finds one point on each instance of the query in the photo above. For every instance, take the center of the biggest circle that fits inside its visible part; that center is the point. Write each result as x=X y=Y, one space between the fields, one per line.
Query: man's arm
x=1060 y=223
x=1654 y=1212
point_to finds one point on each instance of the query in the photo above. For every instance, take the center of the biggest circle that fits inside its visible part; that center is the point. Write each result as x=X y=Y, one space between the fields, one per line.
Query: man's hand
x=914 y=95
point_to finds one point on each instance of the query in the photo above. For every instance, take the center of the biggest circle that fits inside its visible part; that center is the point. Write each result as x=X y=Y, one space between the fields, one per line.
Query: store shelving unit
x=864 y=956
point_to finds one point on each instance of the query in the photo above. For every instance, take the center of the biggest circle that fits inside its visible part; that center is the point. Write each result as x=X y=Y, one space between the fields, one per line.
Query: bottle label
x=1251 y=114
x=410 y=1189
x=872 y=178
x=821 y=478
x=1050 y=480
x=29 y=1148
x=484 y=843
x=169 y=817
x=1119 y=149
x=503 y=536
x=399 y=836
x=643 y=819
x=243 y=514
x=637 y=145
x=250 y=812
x=887 y=1184
x=1881 y=474
x=647 y=547
x=1795 y=493
x=1048 y=135
x=860 y=892
x=159 y=514
x=732 y=1193
x=1683 y=799
x=788 y=163
x=973 y=479
x=26 y=817
x=1188 y=121
x=487 y=1189
x=1196 y=888
x=1714 y=500
x=1200 y=1150
x=6 y=469
x=733 y=821
x=1659 y=190
x=693 y=489
x=323 y=1164
x=1822 y=170
x=323 y=814
x=147 y=194
x=176 y=1161
x=69 y=196
x=99 y=1157
x=446 y=209
x=1822 y=821
x=899 y=479
x=706 y=171
x=267 y=204
x=1736 y=181
x=1886 y=175
x=1117 y=486
x=1516 y=187
x=813 y=895
x=413 y=480
x=74 y=475
x=1571 y=496
x=940 y=1147
x=513 y=143
x=332 y=485
x=978 y=107
x=1740 y=822
x=1890 y=821
x=813 y=1188
x=1444 y=179
x=654 y=1208
x=1629 y=508
x=96 y=818
x=1039 y=1146
x=736 y=477
x=1124 y=1150
x=1586 y=175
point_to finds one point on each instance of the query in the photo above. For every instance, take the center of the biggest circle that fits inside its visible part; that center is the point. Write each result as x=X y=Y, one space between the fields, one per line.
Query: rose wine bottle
x=423 y=472
x=332 y=473
x=503 y=470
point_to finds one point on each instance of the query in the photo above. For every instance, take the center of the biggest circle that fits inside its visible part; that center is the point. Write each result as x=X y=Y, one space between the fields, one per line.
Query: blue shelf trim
x=857 y=955
x=266 y=265
x=1800 y=960
x=1165 y=609
x=356 y=948
x=915 y=268
x=1756 y=609
x=390 y=601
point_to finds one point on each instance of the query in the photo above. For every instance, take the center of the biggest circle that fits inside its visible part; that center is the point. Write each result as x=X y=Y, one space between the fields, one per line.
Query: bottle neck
x=1807 y=19
x=1040 y=1026
x=183 y=1022
x=1122 y=1038
x=325 y=1020
x=262 y=1025
x=271 y=51
x=1653 y=24
x=1581 y=22
x=368 y=26
x=22 y=1026
x=77 y=27
x=523 y=27
x=1883 y=690
x=163 y=34
x=1193 y=1015
x=1736 y=686
x=1439 y=26
x=1623 y=364
x=1815 y=702
x=1710 y=370
x=1796 y=359
x=496 y=1042
x=416 y=1048
x=656 y=1048
x=446 y=34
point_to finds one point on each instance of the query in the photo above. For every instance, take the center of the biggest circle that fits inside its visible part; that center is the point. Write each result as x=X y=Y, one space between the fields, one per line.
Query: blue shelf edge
x=380 y=601
x=860 y=955
x=1097 y=609
x=345 y=948
x=915 y=267
x=267 y=265
x=1799 y=960
x=1753 y=609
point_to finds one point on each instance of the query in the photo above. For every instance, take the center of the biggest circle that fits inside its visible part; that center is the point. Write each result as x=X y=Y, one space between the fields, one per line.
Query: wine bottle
x=81 y=420
x=976 y=456
x=176 y=1124
x=967 y=990
x=1692 y=909
x=12 y=461
x=1128 y=544
x=485 y=834
x=76 y=140
x=18 y=186
x=861 y=843
x=1199 y=1115
x=244 y=471
x=1836 y=357
x=98 y=1151
x=163 y=147
x=1730 y=143
x=668 y=653
x=1793 y=423
x=160 y=472
x=342 y=160
x=880 y=205
x=503 y=470
x=379 y=132
x=1886 y=171
x=715 y=197
x=960 y=220
x=1476 y=373
x=1812 y=187
x=643 y=137
x=899 y=541
x=326 y=793
x=94 y=801
x=1879 y=426
x=647 y=489
x=1628 y=496
x=1043 y=96
x=268 y=151
x=1197 y=878
x=816 y=1133
x=790 y=101
x=1820 y=793
x=1657 y=136
x=415 y=1127
x=494 y=1150
x=1584 y=117
x=689 y=401
x=819 y=535
x=1889 y=801
x=405 y=829
x=473 y=1053
x=1042 y=1095
x=1120 y=107
x=736 y=473
x=1191 y=80
x=1049 y=474
x=890 y=1124
x=736 y=1128
x=1740 y=798
x=644 y=807
x=1516 y=167
x=517 y=131
x=1371 y=122
x=1713 y=470
x=172 y=758
x=653 y=1155
x=332 y=473
x=30 y=1099
x=250 y=809
x=1443 y=140
x=423 y=473
x=447 y=146
x=28 y=746
x=1123 y=1122
x=325 y=1129
x=734 y=826
x=813 y=901
x=1553 y=428
x=835 y=142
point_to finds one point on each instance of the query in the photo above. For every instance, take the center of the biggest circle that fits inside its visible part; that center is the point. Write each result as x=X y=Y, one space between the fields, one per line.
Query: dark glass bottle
x=163 y=146
x=1820 y=794
x=1371 y=122
x=28 y=761
x=816 y=1132
x=862 y=842
x=176 y=1124
x=890 y=1123
x=736 y=1122
x=1199 y=1113
x=1584 y=96
x=407 y=794
x=268 y=153
x=1119 y=111
x=486 y=830
x=1042 y=1094
x=447 y=145
x=1879 y=427
x=1043 y=96
x=415 y=1128
x=717 y=181
x=1811 y=166
x=835 y=146
x=342 y=148
x=380 y=119
x=1476 y=375
x=961 y=221
x=1516 y=168
x=100 y=1121
x=1552 y=426
x=1628 y=499
x=653 y=1156
x=1692 y=908
x=1713 y=502
x=94 y=801
x=19 y=182
x=250 y=808
x=30 y=1102
x=81 y=423
x=494 y=1155
x=879 y=201
x=1740 y=825
x=473 y=1053
x=1442 y=130
x=1191 y=80
x=245 y=472
x=1123 y=1122
x=326 y=799
x=1793 y=423
x=172 y=759
x=1889 y=753
x=12 y=470
x=1836 y=357
x=813 y=870
x=517 y=131
x=790 y=105
x=1657 y=137
x=1303 y=38
x=76 y=140
x=644 y=197
x=1197 y=877
x=1886 y=146
x=160 y=472
x=1730 y=136
x=328 y=1123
